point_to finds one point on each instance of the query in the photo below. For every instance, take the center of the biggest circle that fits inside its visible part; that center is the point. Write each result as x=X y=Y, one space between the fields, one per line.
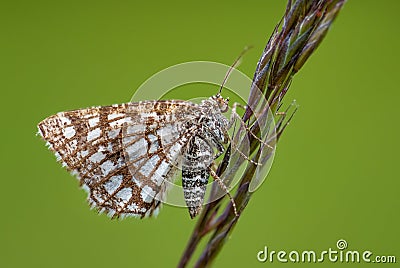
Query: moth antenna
x=235 y=63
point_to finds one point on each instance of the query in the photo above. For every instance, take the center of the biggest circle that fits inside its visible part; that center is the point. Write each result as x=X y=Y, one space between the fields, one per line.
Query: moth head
x=222 y=103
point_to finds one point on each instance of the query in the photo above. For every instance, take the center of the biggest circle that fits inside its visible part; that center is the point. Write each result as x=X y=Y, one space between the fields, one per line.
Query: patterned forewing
x=98 y=144
x=154 y=145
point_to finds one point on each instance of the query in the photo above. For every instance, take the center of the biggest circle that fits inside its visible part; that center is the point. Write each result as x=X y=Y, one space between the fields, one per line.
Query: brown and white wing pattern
x=122 y=154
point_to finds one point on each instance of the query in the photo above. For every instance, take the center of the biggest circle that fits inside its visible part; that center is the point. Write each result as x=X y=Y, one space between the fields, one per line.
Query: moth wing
x=116 y=151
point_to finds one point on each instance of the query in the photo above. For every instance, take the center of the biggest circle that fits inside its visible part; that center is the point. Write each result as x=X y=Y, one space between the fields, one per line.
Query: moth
x=125 y=155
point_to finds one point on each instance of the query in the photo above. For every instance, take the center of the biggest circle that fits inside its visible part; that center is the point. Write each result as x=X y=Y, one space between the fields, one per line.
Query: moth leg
x=223 y=187
x=235 y=115
x=213 y=141
x=221 y=148
x=245 y=156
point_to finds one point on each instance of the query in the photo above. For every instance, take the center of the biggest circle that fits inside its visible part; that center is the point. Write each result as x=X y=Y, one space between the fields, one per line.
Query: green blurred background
x=334 y=176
